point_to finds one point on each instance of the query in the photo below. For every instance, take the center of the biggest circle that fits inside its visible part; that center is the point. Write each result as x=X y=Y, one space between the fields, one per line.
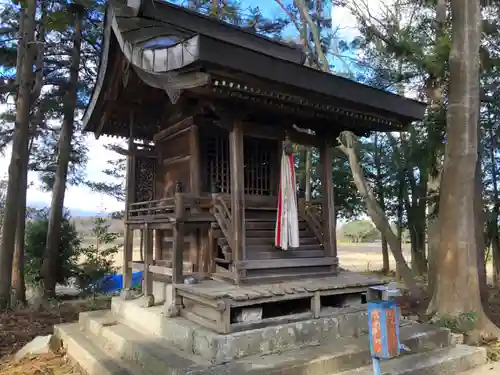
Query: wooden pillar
x=173 y=303
x=329 y=222
x=237 y=196
x=159 y=235
x=129 y=233
x=194 y=161
x=308 y=174
x=148 y=261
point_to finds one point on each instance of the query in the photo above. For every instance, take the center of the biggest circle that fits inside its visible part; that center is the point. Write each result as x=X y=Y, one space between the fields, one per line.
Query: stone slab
x=127 y=350
x=446 y=361
x=492 y=368
x=39 y=345
x=219 y=348
x=82 y=351
x=147 y=351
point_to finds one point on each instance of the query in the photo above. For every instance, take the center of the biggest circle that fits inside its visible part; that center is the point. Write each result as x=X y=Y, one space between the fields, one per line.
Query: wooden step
x=270 y=247
x=262 y=224
x=269 y=240
x=284 y=254
x=252 y=233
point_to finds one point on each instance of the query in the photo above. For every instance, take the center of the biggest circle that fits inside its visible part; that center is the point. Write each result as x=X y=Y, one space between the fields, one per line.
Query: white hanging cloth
x=287 y=221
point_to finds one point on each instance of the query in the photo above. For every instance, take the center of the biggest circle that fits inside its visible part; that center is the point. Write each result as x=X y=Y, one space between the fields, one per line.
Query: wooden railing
x=191 y=204
x=222 y=215
x=155 y=207
x=313 y=215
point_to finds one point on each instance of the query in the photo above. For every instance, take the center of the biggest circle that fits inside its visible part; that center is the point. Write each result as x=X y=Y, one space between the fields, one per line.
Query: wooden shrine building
x=205 y=107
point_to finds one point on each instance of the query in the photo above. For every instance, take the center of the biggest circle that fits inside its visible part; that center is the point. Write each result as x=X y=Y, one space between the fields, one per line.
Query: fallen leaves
x=47 y=364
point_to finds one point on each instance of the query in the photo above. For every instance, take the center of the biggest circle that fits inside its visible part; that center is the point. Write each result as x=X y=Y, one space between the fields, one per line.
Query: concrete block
x=87 y=355
x=446 y=361
x=39 y=345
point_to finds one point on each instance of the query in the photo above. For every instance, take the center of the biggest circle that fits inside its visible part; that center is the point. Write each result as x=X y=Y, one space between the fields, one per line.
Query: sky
x=81 y=200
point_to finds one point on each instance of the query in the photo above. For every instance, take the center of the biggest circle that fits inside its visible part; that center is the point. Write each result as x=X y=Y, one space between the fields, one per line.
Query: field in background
x=359 y=257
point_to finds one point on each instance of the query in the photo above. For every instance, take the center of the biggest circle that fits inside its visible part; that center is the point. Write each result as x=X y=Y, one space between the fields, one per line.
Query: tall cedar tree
x=26 y=53
x=457 y=253
x=63 y=159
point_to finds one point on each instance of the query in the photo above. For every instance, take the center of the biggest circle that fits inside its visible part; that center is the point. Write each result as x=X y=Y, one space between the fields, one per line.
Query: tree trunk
x=480 y=221
x=495 y=250
x=418 y=258
x=456 y=258
x=50 y=258
x=348 y=145
x=380 y=192
x=19 y=148
x=385 y=256
x=18 y=280
x=494 y=234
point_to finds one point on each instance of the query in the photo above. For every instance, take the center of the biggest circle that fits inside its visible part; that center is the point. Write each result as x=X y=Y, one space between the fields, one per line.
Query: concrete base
x=103 y=346
x=218 y=348
x=133 y=340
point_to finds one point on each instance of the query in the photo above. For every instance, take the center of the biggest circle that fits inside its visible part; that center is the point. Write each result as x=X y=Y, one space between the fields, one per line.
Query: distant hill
x=80 y=212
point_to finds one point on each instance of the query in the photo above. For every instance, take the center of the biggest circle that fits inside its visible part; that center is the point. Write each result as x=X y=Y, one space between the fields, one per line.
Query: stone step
x=128 y=352
x=190 y=337
x=159 y=357
x=446 y=361
x=491 y=368
x=81 y=350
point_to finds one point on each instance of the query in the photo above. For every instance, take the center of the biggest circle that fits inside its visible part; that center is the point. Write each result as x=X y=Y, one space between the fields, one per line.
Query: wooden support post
x=159 y=235
x=329 y=222
x=173 y=303
x=127 y=258
x=129 y=233
x=148 y=261
x=237 y=196
x=308 y=175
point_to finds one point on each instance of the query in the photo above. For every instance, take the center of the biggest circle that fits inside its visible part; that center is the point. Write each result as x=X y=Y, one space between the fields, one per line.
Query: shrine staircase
x=260 y=225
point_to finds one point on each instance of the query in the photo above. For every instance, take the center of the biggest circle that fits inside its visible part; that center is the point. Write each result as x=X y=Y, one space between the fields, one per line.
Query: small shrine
x=209 y=111
x=240 y=273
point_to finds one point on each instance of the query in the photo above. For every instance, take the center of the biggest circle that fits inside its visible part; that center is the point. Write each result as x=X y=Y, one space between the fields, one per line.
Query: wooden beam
x=237 y=194
x=135 y=152
x=181 y=125
x=329 y=222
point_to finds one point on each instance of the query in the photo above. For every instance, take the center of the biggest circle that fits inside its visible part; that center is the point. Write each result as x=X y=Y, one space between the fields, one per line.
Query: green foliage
x=359 y=230
x=98 y=256
x=463 y=323
x=36 y=236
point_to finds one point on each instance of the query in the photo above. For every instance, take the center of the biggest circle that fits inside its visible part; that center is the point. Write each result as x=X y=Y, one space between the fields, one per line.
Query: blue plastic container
x=113 y=283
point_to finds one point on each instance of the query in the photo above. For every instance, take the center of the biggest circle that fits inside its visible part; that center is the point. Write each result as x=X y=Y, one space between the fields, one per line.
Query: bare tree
x=20 y=143
x=456 y=257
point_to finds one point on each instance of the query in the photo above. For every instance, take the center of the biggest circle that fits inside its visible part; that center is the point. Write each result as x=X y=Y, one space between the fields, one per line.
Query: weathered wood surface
x=214 y=289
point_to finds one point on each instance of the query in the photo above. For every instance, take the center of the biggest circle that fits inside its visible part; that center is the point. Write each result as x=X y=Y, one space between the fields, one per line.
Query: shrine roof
x=164 y=43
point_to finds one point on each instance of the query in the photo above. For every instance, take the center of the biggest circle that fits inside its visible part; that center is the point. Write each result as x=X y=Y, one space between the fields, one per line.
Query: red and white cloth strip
x=287 y=221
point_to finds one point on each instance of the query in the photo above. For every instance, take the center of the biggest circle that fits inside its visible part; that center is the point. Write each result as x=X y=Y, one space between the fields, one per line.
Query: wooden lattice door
x=259 y=159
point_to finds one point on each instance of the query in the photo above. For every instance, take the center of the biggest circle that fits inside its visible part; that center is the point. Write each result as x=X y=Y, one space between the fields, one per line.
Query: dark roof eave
x=306 y=78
